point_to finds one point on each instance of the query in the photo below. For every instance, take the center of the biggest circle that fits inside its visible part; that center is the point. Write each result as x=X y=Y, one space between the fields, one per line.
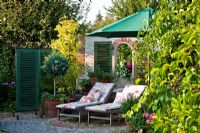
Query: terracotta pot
x=72 y=99
x=94 y=80
x=86 y=90
x=50 y=107
x=105 y=81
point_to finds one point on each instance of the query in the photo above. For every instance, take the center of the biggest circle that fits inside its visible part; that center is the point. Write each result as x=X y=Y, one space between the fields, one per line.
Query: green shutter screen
x=103 y=56
x=27 y=79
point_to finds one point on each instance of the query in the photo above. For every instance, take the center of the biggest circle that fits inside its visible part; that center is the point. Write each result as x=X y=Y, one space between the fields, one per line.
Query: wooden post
x=111 y=118
x=88 y=118
x=79 y=117
x=54 y=87
x=58 y=114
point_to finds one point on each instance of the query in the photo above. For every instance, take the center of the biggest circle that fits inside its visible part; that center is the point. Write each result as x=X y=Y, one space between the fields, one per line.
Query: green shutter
x=103 y=56
x=27 y=79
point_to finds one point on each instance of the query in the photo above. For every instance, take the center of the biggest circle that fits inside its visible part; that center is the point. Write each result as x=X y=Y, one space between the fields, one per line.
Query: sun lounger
x=114 y=108
x=99 y=94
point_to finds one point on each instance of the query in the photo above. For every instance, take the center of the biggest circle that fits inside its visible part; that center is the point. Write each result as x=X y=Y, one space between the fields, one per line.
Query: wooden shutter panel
x=27 y=79
x=103 y=56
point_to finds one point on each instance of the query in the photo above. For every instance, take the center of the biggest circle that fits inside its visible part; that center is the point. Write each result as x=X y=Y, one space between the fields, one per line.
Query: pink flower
x=148 y=122
x=145 y=114
x=152 y=116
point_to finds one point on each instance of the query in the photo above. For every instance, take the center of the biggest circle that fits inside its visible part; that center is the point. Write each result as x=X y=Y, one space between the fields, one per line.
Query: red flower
x=152 y=116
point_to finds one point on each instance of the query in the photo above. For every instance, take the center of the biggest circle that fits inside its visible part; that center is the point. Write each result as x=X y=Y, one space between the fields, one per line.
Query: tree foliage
x=68 y=45
x=32 y=23
x=6 y=65
x=55 y=65
x=99 y=22
x=123 y=8
x=173 y=43
x=67 y=42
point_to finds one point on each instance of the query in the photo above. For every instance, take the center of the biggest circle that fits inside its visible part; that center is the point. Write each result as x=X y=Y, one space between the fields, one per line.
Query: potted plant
x=98 y=76
x=94 y=75
x=85 y=85
x=49 y=101
x=54 y=66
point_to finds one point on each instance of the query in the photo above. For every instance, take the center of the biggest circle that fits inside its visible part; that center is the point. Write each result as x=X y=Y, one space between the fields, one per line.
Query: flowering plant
x=149 y=117
x=141 y=120
x=7 y=84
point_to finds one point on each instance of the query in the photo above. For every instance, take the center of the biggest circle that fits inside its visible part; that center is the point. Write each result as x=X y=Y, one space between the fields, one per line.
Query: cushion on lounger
x=87 y=99
x=104 y=88
x=136 y=90
x=119 y=97
x=104 y=107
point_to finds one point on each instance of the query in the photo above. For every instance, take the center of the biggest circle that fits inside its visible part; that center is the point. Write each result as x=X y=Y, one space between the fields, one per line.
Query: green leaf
x=161 y=98
x=157 y=126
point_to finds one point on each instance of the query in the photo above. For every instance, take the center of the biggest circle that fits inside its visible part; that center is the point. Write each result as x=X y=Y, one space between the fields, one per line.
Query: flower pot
x=86 y=90
x=72 y=99
x=105 y=81
x=93 y=80
x=50 y=107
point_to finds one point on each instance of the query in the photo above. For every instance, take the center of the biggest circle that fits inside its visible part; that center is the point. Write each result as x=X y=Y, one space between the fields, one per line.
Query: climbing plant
x=124 y=53
x=173 y=45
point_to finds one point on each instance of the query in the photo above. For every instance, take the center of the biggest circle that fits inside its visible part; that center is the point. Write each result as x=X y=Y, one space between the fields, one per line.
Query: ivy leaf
x=170 y=76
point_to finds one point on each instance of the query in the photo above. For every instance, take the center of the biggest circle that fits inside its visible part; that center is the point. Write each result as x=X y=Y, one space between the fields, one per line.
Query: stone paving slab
x=41 y=125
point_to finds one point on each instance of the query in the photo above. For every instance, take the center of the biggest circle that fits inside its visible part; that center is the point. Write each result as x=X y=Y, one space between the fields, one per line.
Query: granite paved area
x=42 y=125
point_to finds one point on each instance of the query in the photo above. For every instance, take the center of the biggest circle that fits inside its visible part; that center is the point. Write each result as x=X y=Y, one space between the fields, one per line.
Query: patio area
x=28 y=122
x=134 y=70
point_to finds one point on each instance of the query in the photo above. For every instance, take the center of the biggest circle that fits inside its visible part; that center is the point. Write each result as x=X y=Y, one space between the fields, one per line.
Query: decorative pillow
x=119 y=98
x=137 y=92
x=96 y=94
x=87 y=99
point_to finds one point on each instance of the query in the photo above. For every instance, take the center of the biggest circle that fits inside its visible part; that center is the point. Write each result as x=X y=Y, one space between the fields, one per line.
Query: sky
x=96 y=6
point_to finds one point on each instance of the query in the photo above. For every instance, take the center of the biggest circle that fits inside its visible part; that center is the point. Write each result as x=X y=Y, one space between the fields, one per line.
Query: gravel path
x=30 y=124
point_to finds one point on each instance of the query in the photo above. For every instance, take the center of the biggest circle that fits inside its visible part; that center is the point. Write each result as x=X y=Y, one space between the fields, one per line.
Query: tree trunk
x=54 y=85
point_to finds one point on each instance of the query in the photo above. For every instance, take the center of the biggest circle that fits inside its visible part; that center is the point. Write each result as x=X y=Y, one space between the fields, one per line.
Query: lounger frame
x=111 y=113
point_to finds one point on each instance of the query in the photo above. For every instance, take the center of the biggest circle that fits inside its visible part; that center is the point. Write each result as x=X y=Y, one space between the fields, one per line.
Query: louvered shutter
x=27 y=79
x=103 y=56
